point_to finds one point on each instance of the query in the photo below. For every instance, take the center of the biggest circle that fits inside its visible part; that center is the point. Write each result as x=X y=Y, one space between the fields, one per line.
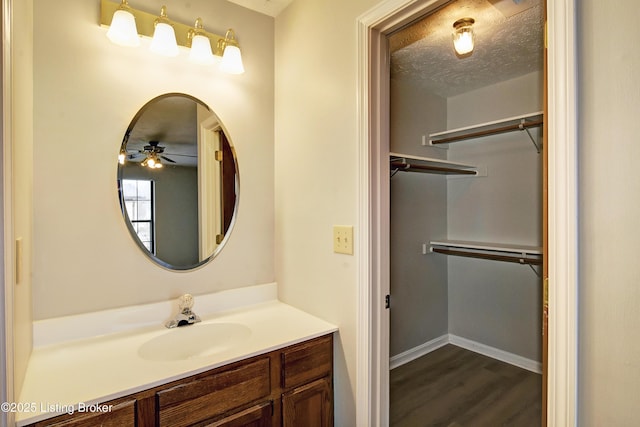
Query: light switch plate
x=343 y=239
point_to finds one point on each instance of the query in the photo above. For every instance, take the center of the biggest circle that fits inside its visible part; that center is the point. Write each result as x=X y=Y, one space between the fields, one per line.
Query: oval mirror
x=178 y=181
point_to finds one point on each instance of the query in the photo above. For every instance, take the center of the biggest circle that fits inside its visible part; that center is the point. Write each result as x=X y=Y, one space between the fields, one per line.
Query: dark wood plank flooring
x=455 y=387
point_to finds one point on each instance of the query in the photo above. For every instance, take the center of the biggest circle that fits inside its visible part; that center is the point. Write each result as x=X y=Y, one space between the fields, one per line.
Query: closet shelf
x=520 y=254
x=406 y=163
x=522 y=122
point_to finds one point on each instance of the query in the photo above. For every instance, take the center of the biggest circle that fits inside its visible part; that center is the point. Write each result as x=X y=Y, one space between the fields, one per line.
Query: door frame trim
x=372 y=395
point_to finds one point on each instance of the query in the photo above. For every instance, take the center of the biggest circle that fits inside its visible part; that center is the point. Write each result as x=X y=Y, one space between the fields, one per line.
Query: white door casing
x=372 y=397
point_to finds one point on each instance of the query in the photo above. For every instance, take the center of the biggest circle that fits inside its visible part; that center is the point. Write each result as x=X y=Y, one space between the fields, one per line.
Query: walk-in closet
x=466 y=219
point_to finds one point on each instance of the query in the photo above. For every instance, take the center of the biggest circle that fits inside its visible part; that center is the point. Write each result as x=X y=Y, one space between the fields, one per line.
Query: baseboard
x=436 y=343
x=495 y=353
x=419 y=351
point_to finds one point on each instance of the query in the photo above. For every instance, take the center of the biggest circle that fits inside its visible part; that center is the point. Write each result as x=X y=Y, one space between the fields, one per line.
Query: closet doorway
x=373 y=242
x=466 y=160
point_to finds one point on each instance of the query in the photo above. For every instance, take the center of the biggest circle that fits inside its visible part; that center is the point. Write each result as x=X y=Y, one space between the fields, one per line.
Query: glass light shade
x=164 y=40
x=232 y=60
x=463 y=37
x=201 y=50
x=463 y=42
x=123 y=30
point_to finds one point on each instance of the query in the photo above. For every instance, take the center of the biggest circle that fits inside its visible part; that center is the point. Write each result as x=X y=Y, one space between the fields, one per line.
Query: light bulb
x=151 y=162
x=121 y=158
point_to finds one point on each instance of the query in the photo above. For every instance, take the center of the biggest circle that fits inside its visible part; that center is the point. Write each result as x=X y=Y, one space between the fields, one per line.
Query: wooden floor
x=454 y=387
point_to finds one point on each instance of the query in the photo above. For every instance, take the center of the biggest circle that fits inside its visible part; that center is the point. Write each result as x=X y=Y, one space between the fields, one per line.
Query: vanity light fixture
x=164 y=37
x=463 y=36
x=200 y=52
x=167 y=35
x=122 y=156
x=123 y=29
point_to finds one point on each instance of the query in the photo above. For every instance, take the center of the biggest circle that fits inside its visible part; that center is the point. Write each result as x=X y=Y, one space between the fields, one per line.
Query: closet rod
x=518 y=126
x=430 y=169
x=495 y=257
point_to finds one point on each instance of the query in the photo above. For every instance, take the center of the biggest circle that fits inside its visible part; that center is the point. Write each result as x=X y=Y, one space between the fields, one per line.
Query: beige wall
x=609 y=190
x=22 y=151
x=316 y=162
x=86 y=91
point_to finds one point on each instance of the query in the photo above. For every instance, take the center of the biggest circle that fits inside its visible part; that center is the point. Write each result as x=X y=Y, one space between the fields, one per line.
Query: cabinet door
x=309 y=405
x=122 y=414
x=256 y=416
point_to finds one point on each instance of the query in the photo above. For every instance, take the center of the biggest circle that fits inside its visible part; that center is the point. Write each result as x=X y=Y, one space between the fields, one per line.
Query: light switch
x=343 y=239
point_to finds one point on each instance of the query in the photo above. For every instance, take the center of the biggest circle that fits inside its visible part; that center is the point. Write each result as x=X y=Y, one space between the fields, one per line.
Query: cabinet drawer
x=116 y=414
x=256 y=416
x=215 y=394
x=307 y=361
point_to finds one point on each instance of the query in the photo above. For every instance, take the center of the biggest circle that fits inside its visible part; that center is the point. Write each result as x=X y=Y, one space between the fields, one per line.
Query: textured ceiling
x=505 y=46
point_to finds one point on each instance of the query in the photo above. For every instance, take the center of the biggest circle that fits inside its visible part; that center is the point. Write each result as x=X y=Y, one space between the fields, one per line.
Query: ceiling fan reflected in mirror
x=154 y=154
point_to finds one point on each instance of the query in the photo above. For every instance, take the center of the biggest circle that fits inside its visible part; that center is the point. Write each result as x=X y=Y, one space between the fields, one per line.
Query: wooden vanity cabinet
x=308 y=384
x=290 y=387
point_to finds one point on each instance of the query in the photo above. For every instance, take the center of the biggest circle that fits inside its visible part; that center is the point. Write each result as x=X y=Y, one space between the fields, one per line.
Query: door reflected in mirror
x=178 y=181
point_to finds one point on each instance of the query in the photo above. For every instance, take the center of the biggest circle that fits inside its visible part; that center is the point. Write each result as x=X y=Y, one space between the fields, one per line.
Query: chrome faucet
x=186 y=316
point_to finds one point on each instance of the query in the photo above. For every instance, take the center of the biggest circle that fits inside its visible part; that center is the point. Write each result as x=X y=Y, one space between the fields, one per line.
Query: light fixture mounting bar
x=145 y=23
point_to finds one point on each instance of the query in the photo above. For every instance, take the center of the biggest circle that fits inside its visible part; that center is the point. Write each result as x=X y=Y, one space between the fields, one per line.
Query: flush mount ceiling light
x=164 y=37
x=463 y=36
x=123 y=31
x=168 y=35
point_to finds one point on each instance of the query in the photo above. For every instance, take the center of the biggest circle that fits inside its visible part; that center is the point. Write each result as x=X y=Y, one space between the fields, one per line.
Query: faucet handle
x=185 y=302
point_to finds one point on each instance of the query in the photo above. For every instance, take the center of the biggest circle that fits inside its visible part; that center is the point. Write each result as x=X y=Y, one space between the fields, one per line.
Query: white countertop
x=96 y=369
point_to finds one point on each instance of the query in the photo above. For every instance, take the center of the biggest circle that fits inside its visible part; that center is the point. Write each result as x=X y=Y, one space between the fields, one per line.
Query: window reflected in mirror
x=137 y=195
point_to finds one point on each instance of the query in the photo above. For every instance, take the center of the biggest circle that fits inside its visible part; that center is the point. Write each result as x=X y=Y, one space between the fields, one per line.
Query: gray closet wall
x=491 y=303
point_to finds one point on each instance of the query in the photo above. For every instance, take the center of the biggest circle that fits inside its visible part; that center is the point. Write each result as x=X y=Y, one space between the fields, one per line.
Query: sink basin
x=198 y=340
